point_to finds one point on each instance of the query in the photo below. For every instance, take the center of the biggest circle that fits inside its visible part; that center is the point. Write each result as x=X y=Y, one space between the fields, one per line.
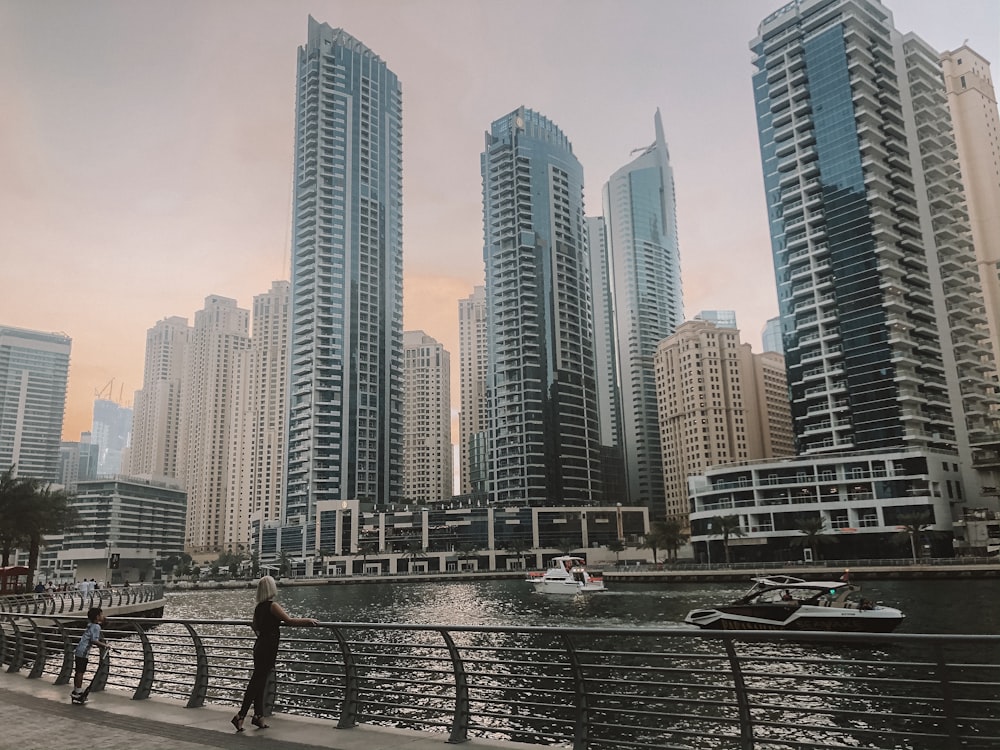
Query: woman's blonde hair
x=266 y=589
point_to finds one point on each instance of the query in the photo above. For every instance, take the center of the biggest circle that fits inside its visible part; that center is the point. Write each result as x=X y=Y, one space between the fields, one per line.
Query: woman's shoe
x=238 y=722
x=258 y=721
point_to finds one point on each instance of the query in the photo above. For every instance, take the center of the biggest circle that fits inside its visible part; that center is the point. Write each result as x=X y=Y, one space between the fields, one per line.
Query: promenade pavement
x=37 y=715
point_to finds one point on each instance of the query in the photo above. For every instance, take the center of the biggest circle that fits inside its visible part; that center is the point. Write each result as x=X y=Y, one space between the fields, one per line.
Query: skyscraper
x=345 y=389
x=34 y=369
x=427 y=460
x=156 y=425
x=259 y=412
x=544 y=445
x=472 y=420
x=220 y=332
x=972 y=101
x=111 y=432
x=771 y=336
x=877 y=286
x=641 y=215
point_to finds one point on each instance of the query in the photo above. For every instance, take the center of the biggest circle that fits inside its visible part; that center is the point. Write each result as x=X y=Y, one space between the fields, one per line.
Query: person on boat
x=787 y=596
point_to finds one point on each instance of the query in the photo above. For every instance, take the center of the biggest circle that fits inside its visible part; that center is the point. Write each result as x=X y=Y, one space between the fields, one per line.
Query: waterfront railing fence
x=585 y=688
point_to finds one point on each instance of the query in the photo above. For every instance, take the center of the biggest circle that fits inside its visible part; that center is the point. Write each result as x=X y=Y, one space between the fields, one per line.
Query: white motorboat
x=787 y=603
x=567 y=575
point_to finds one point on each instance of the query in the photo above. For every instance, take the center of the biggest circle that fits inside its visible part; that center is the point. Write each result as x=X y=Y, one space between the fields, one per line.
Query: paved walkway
x=37 y=715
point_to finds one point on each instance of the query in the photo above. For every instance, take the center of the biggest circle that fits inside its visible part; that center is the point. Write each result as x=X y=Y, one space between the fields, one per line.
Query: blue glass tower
x=544 y=443
x=641 y=214
x=345 y=384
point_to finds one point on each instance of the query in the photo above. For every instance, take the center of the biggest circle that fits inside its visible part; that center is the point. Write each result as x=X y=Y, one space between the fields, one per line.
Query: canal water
x=935 y=606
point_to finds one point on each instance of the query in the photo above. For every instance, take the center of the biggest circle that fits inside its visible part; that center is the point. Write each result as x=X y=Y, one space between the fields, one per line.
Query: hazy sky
x=146 y=147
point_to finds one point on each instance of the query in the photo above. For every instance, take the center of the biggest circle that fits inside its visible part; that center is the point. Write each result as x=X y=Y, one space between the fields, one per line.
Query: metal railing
x=67 y=602
x=585 y=688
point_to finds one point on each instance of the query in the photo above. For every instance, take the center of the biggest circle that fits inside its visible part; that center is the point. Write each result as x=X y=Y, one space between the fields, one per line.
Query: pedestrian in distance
x=268 y=617
x=91 y=636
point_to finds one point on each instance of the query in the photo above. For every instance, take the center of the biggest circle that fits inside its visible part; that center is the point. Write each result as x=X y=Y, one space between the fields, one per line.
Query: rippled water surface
x=970 y=607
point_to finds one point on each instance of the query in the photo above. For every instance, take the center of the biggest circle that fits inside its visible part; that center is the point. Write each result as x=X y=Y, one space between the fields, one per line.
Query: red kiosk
x=13 y=580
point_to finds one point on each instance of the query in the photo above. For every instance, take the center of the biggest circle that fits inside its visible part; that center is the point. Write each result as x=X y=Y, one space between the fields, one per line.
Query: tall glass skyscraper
x=34 y=369
x=543 y=437
x=641 y=215
x=345 y=386
x=882 y=317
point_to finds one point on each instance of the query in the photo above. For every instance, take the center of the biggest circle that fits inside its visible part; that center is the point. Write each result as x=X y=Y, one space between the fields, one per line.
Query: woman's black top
x=265 y=624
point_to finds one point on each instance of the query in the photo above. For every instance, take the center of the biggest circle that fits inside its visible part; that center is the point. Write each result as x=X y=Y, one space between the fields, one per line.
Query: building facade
x=641 y=215
x=860 y=501
x=881 y=313
x=472 y=420
x=771 y=336
x=972 y=103
x=543 y=441
x=717 y=405
x=111 y=432
x=156 y=425
x=427 y=455
x=259 y=412
x=345 y=390
x=220 y=333
x=34 y=369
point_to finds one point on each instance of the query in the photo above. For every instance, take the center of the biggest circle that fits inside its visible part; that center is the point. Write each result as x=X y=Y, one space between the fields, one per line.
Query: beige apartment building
x=156 y=419
x=220 y=332
x=259 y=413
x=472 y=419
x=718 y=403
x=972 y=102
x=427 y=462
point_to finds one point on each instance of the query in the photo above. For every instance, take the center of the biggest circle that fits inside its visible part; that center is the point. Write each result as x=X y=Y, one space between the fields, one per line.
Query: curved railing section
x=585 y=688
x=69 y=602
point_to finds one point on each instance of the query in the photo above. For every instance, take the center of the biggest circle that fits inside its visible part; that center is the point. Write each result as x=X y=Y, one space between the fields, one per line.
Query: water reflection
x=933 y=606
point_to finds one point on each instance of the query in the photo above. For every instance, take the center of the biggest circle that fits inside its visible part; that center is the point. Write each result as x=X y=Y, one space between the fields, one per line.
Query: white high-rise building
x=472 y=419
x=220 y=333
x=34 y=369
x=346 y=348
x=156 y=421
x=427 y=456
x=877 y=283
x=259 y=412
x=641 y=215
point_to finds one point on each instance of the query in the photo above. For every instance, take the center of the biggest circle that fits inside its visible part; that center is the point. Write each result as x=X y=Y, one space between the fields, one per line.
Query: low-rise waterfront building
x=863 y=500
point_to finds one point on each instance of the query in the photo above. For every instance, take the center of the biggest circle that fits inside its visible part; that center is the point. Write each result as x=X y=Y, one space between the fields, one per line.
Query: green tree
x=566 y=545
x=517 y=547
x=652 y=541
x=48 y=512
x=728 y=526
x=813 y=529
x=617 y=546
x=284 y=565
x=672 y=535
x=910 y=527
x=15 y=493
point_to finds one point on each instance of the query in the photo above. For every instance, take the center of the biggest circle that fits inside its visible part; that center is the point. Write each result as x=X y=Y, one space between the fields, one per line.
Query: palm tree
x=48 y=512
x=466 y=550
x=566 y=545
x=729 y=526
x=617 y=546
x=651 y=541
x=911 y=525
x=284 y=565
x=15 y=492
x=814 y=530
x=672 y=535
x=518 y=547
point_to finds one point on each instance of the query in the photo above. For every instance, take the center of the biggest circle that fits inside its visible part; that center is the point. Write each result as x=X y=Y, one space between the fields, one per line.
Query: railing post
x=66 y=670
x=38 y=667
x=351 y=706
x=200 y=688
x=581 y=732
x=742 y=700
x=101 y=675
x=460 y=720
x=3 y=643
x=145 y=685
x=17 y=658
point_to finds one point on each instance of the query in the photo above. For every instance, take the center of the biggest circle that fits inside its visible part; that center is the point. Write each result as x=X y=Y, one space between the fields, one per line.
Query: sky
x=146 y=148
